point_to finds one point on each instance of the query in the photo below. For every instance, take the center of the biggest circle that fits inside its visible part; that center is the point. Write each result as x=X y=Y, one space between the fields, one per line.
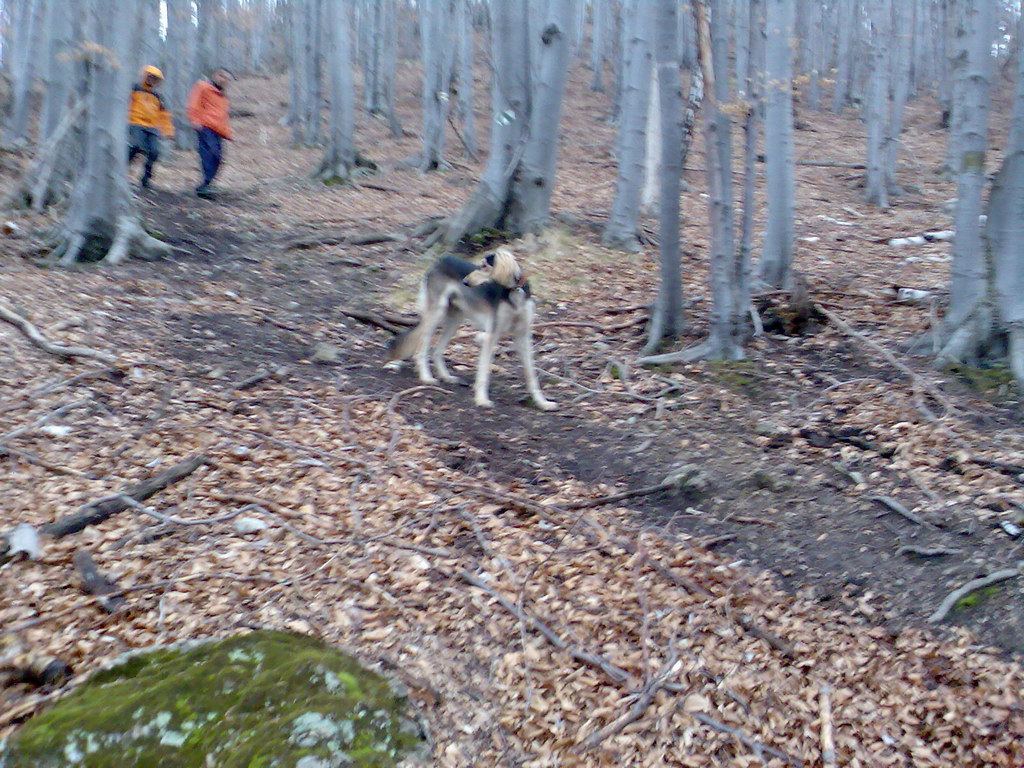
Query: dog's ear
x=489 y=260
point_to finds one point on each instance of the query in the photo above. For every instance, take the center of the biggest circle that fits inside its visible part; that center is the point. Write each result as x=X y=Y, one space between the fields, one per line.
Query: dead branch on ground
x=95 y=583
x=97 y=511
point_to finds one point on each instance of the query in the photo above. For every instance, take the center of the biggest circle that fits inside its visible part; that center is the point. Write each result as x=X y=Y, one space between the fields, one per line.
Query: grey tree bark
x=101 y=221
x=339 y=160
x=599 y=31
x=180 y=41
x=467 y=49
x=56 y=71
x=436 y=49
x=150 y=46
x=878 y=108
x=621 y=230
x=968 y=324
x=515 y=192
x=901 y=80
x=846 y=15
x=752 y=95
x=1006 y=228
x=777 y=256
x=667 y=318
x=729 y=310
x=210 y=38
x=27 y=22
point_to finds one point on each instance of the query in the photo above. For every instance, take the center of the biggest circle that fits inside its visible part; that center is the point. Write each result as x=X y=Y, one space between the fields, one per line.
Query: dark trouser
x=144 y=141
x=210 y=153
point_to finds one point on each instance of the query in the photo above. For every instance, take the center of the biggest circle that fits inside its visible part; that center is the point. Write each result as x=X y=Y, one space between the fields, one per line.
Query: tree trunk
x=23 y=70
x=902 y=20
x=57 y=69
x=339 y=158
x=464 y=34
x=621 y=230
x=878 y=107
x=435 y=46
x=968 y=323
x=652 y=152
x=846 y=15
x=752 y=93
x=729 y=308
x=176 y=86
x=599 y=31
x=777 y=257
x=101 y=222
x=667 y=318
x=515 y=191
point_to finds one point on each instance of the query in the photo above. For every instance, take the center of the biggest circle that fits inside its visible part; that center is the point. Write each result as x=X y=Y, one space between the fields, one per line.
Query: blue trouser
x=144 y=141
x=210 y=153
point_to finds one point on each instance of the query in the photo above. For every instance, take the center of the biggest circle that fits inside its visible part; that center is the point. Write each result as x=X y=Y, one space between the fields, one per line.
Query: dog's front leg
x=524 y=347
x=483 y=370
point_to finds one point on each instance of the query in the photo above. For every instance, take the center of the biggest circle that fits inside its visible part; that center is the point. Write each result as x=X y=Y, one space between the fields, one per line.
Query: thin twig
x=32 y=334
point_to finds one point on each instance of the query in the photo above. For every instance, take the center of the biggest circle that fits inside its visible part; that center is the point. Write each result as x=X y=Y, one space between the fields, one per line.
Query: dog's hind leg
x=524 y=347
x=430 y=320
x=452 y=322
x=483 y=369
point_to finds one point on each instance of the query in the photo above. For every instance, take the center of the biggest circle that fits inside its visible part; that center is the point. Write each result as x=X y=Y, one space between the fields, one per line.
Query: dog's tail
x=402 y=346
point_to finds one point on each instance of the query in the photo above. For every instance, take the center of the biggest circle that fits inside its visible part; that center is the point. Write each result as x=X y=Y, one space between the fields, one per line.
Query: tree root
x=32 y=334
x=972 y=586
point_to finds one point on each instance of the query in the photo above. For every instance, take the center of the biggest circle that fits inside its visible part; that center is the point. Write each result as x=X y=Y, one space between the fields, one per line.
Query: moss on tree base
x=262 y=700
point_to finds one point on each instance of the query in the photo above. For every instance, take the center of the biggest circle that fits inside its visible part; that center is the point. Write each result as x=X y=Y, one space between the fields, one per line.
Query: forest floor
x=720 y=611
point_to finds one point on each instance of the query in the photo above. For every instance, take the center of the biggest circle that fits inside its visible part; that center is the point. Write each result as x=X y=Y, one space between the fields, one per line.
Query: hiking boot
x=203 y=191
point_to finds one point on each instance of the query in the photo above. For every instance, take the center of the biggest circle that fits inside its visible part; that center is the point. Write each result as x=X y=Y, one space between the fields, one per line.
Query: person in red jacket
x=207 y=111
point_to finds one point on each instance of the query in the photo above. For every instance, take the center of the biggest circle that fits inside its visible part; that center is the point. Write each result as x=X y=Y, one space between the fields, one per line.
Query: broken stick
x=97 y=511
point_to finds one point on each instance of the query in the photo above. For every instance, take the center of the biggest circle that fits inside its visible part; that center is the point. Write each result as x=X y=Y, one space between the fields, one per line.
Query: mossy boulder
x=261 y=700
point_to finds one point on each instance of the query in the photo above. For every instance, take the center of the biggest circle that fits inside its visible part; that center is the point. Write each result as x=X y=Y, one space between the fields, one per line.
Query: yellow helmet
x=151 y=70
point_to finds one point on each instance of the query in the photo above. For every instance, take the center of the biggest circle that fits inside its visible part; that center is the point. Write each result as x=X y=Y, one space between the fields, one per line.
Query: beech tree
x=102 y=221
x=970 y=327
x=515 y=191
x=437 y=55
x=339 y=158
x=24 y=43
x=667 y=317
x=777 y=256
x=621 y=230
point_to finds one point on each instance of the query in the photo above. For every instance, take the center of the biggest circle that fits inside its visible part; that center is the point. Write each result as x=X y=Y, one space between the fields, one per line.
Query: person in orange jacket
x=147 y=119
x=208 y=108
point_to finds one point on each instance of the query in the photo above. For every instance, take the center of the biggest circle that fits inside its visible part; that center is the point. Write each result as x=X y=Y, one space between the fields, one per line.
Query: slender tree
x=180 y=39
x=339 y=158
x=437 y=53
x=464 y=34
x=27 y=21
x=777 y=256
x=621 y=230
x=667 y=318
x=598 y=31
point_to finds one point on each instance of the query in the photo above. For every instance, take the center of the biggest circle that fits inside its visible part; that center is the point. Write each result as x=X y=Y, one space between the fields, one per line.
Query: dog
x=495 y=297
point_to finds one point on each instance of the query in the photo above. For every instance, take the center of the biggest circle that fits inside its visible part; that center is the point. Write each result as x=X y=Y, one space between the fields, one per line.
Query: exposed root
x=32 y=334
x=972 y=586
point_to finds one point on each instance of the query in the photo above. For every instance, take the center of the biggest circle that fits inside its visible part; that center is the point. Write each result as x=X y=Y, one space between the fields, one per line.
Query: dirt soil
x=796 y=448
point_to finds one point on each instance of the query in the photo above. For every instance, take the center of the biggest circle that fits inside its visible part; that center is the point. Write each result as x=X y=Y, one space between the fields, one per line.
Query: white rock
x=246 y=525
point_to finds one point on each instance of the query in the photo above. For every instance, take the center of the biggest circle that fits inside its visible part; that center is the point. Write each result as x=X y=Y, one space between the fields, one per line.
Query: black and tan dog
x=494 y=297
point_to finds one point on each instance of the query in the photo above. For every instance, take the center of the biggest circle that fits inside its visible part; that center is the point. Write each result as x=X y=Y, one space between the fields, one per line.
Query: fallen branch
x=925 y=552
x=97 y=511
x=252 y=381
x=774 y=641
x=758 y=747
x=918 y=380
x=894 y=506
x=31 y=458
x=828 y=744
x=664 y=485
x=32 y=334
x=616 y=674
x=972 y=586
x=371 y=318
x=97 y=584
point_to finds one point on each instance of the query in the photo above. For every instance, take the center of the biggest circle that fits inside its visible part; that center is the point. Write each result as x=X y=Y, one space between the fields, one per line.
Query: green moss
x=970 y=601
x=253 y=701
x=737 y=375
x=983 y=380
